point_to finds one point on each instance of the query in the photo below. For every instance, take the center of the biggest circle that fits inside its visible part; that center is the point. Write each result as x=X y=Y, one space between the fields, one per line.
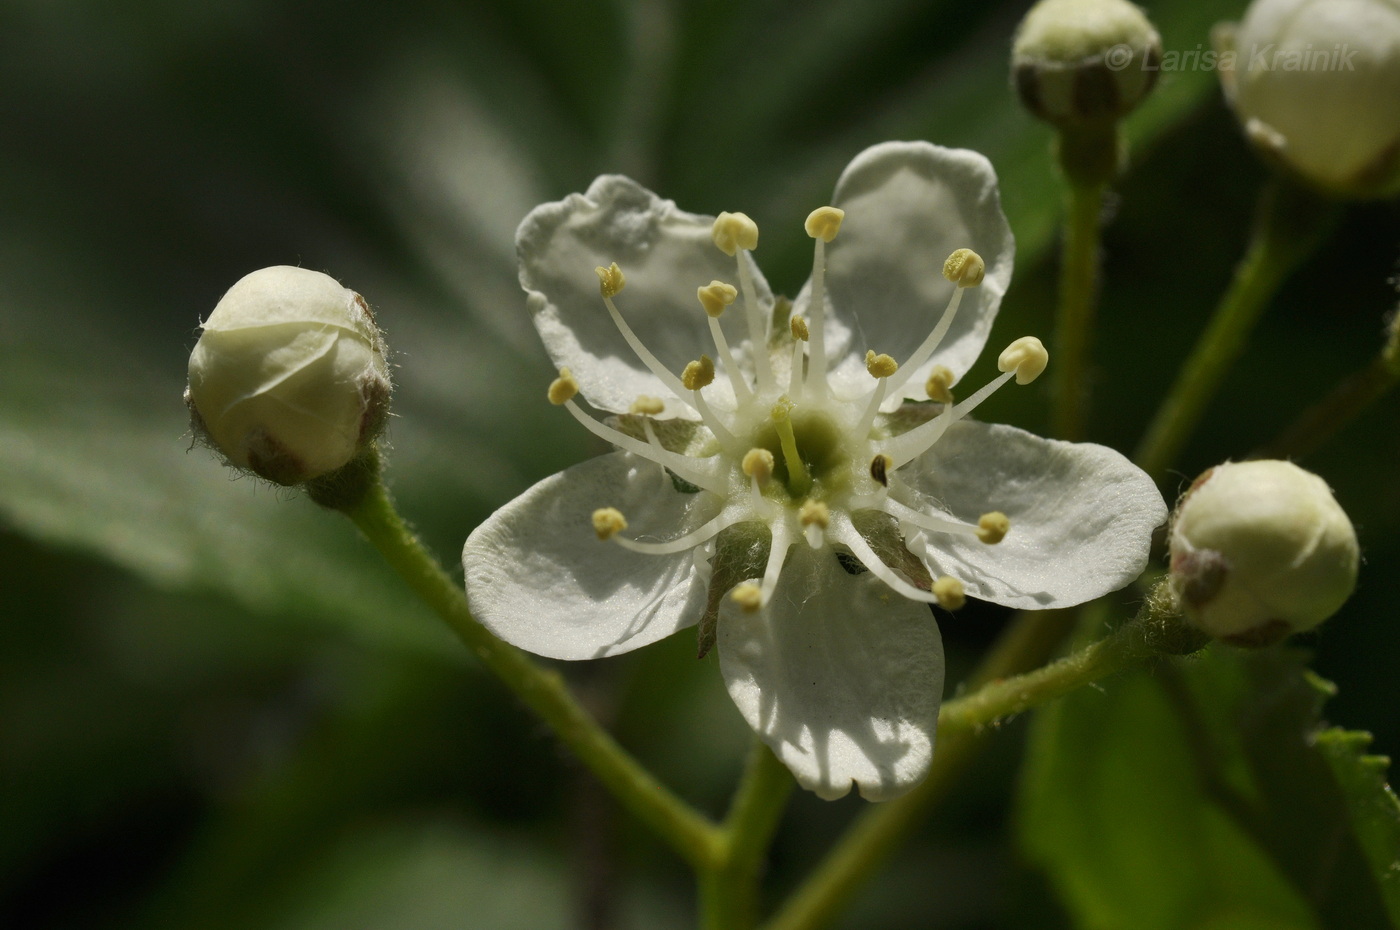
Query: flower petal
x=539 y=578
x=909 y=205
x=664 y=253
x=840 y=677
x=1081 y=515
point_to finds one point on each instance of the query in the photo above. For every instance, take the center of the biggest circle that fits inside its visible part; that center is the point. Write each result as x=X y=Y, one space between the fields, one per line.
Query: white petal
x=841 y=677
x=909 y=205
x=1081 y=515
x=538 y=577
x=664 y=254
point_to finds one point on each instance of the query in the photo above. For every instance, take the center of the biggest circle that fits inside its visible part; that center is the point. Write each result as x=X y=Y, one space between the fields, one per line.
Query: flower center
x=816 y=441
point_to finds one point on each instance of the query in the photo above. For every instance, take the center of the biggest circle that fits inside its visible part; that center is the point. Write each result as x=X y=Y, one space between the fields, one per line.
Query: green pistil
x=799 y=479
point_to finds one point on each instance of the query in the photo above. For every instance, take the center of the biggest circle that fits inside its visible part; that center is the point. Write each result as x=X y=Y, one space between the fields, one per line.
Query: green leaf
x=1375 y=811
x=1194 y=794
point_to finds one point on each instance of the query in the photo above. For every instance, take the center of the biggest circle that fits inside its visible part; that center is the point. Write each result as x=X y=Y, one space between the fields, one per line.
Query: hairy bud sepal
x=1260 y=550
x=289 y=378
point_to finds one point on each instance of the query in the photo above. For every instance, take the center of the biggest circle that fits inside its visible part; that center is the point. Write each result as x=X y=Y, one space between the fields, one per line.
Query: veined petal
x=908 y=206
x=1081 y=515
x=665 y=254
x=840 y=676
x=538 y=577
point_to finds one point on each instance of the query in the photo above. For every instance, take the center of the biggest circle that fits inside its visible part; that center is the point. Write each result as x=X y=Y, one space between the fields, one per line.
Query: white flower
x=793 y=505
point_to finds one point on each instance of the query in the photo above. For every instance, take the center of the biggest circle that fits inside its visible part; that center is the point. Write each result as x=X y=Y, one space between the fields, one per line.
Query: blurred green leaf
x=1375 y=811
x=1206 y=776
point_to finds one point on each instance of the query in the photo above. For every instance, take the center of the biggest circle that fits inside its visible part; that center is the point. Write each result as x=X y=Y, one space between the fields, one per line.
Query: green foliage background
x=217 y=709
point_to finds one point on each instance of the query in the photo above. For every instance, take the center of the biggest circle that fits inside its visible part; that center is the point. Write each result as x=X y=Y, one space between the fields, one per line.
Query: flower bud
x=288 y=378
x=1260 y=550
x=1316 y=84
x=1081 y=62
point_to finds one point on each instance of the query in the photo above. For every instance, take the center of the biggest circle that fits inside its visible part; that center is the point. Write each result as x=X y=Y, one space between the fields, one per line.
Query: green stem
x=1079 y=266
x=1348 y=400
x=691 y=834
x=963 y=723
x=1290 y=223
x=729 y=890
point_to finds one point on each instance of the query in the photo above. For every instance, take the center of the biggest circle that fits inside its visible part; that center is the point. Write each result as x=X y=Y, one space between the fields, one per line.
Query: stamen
x=734 y=231
x=880 y=468
x=822 y=225
x=800 y=334
x=748 y=596
x=647 y=405
x=714 y=297
x=881 y=367
x=965 y=269
x=608 y=522
x=777 y=554
x=815 y=517
x=655 y=443
x=683 y=465
x=758 y=326
x=712 y=421
x=610 y=282
x=680 y=544
x=907 y=514
x=939 y=385
x=563 y=388
x=698 y=374
x=758 y=465
x=1026 y=357
x=993 y=527
x=799 y=480
x=847 y=533
x=949 y=592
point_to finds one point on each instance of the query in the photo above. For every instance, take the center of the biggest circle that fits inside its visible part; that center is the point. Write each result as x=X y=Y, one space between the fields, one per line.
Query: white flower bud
x=1316 y=84
x=1077 y=62
x=288 y=378
x=1260 y=550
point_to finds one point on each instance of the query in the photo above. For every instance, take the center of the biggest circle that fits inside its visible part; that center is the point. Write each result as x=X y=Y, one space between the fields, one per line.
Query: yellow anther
x=939 y=385
x=799 y=328
x=992 y=527
x=879 y=366
x=715 y=296
x=610 y=279
x=758 y=463
x=880 y=468
x=608 y=522
x=814 y=513
x=949 y=592
x=824 y=223
x=647 y=405
x=1027 y=357
x=965 y=268
x=748 y=595
x=563 y=388
x=698 y=373
x=734 y=231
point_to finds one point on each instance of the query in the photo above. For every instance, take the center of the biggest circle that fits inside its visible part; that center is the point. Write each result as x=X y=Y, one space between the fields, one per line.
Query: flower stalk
x=1289 y=225
x=1347 y=401
x=695 y=838
x=1074 y=321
